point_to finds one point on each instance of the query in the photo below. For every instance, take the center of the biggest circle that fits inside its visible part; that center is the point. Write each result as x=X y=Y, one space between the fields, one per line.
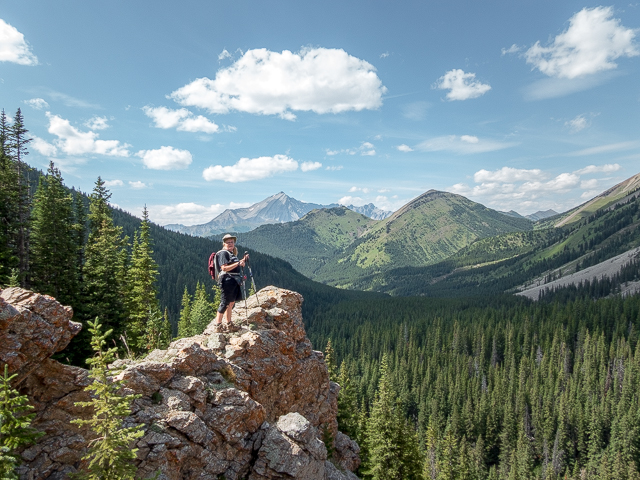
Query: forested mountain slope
x=339 y=248
x=505 y=262
x=311 y=242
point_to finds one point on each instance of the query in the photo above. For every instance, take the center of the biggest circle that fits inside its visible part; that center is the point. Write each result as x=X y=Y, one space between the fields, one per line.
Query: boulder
x=248 y=401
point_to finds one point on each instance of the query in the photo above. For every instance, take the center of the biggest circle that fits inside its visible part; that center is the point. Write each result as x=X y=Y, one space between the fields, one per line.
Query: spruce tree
x=53 y=249
x=347 y=403
x=9 y=199
x=103 y=288
x=110 y=456
x=143 y=305
x=391 y=441
x=15 y=425
x=184 y=324
x=17 y=145
x=202 y=311
x=104 y=267
x=330 y=361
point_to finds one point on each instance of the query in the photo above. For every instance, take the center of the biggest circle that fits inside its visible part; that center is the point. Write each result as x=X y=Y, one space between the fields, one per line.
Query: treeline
x=52 y=244
x=495 y=388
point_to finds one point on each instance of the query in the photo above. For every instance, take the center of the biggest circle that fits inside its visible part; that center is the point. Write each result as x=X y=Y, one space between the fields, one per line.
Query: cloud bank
x=248 y=169
x=72 y=141
x=528 y=190
x=591 y=43
x=13 y=47
x=262 y=82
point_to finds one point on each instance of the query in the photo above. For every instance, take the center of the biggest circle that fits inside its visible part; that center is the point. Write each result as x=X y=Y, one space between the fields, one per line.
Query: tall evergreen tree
x=18 y=141
x=103 y=272
x=9 y=199
x=184 y=324
x=392 y=444
x=143 y=305
x=53 y=249
x=202 y=310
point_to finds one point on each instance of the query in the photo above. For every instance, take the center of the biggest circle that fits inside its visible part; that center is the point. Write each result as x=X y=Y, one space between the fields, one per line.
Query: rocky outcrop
x=252 y=402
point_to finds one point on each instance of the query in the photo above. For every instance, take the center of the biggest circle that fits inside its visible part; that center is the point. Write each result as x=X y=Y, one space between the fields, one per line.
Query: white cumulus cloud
x=188 y=213
x=404 y=148
x=138 y=185
x=529 y=190
x=309 y=166
x=13 y=47
x=591 y=43
x=113 y=183
x=248 y=169
x=367 y=149
x=508 y=174
x=97 y=123
x=262 y=82
x=75 y=142
x=181 y=119
x=349 y=200
x=461 y=85
x=37 y=103
x=166 y=158
x=43 y=147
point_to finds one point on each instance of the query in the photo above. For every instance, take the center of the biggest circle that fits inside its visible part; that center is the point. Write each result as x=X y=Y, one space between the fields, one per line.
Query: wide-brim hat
x=227 y=237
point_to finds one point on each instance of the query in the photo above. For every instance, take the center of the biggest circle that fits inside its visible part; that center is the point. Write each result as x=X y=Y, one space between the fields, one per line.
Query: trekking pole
x=253 y=283
x=244 y=290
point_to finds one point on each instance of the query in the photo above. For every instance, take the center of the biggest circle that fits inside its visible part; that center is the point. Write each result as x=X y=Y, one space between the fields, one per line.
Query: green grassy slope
x=427 y=230
x=311 y=241
x=500 y=264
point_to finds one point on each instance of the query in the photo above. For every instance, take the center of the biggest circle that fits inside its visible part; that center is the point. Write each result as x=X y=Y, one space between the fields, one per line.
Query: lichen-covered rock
x=245 y=402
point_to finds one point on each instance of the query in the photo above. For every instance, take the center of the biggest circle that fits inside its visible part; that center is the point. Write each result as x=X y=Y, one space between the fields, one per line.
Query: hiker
x=229 y=278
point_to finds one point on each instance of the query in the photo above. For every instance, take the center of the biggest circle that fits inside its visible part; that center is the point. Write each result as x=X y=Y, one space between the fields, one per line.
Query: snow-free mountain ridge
x=278 y=208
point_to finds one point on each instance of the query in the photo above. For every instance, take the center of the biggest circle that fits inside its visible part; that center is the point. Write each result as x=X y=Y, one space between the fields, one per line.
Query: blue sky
x=195 y=107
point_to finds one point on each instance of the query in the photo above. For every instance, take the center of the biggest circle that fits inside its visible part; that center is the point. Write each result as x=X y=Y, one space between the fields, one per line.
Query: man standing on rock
x=229 y=277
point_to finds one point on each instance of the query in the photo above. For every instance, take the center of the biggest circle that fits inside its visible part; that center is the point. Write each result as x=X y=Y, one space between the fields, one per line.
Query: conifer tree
x=104 y=268
x=330 y=361
x=142 y=274
x=17 y=144
x=391 y=442
x=15 y=425
x=202 y=311
x=184 y=324
x=347 y=403
x=158 y=331
x=53 y=253
x=110 y=456
x=9 y=198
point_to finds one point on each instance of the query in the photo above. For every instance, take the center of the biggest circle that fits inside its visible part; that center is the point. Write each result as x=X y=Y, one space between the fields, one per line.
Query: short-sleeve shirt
x=225 y=257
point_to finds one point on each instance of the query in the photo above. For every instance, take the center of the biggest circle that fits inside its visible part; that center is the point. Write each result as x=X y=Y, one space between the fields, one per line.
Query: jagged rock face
x=247 y=403
x=32 y=328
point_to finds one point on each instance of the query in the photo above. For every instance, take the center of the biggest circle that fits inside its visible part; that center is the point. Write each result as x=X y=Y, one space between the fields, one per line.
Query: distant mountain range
x=338 y=247
x=278 y=208
x=534 y=217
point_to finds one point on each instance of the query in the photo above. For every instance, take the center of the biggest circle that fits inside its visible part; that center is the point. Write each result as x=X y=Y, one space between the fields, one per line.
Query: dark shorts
x=230 y=292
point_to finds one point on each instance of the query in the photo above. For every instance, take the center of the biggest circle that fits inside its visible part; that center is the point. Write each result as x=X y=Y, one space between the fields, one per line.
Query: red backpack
x=214 y=268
